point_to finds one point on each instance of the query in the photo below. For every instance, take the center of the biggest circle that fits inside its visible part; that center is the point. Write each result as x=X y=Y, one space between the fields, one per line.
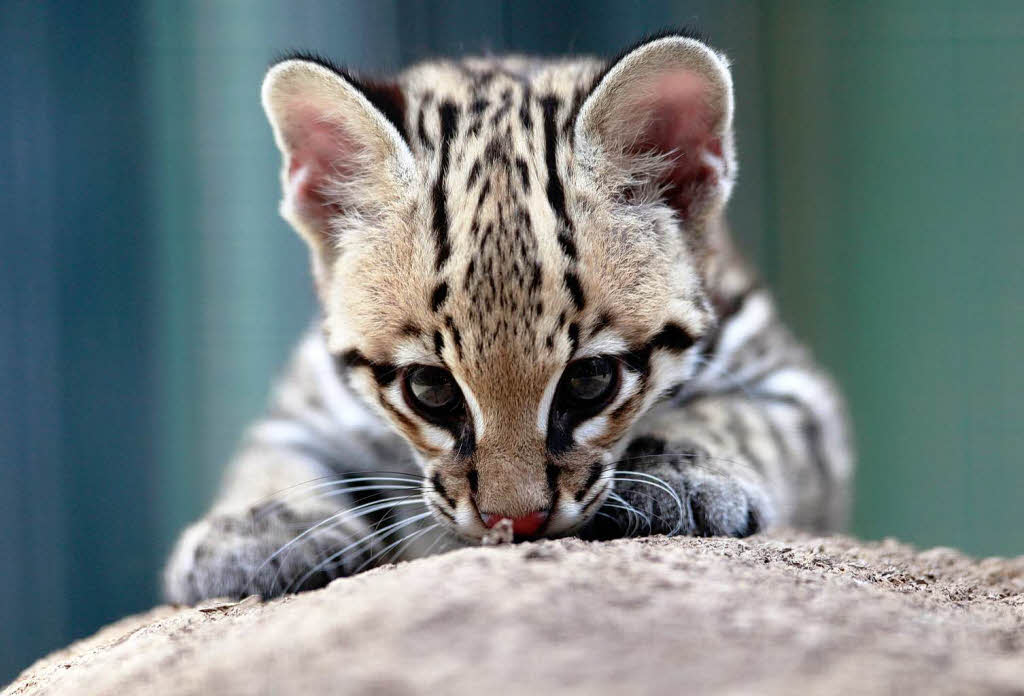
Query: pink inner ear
x=681 y=122
x=319 y=153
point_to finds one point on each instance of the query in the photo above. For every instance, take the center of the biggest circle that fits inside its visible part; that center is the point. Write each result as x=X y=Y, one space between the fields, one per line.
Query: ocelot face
x=508 y=266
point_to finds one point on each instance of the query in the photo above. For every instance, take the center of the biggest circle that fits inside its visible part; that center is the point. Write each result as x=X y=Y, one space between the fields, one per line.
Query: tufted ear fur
x=662 y=116
x=343 y=157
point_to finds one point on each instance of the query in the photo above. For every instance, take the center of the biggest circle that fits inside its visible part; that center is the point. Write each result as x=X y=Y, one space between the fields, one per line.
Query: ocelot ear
x=661 y=115
x=344 y=157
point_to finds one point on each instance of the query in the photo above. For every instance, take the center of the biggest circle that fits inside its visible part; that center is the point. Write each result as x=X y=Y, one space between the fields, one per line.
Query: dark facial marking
x=596 y=469
x=383 y=373
x=474 y=172
x=465 y=440
x=494 y=153
x=506 y=103
x=403 y=420
x=674 y=338
x=421 y=130
x=574 y=338
x=602 y=323
x=524 y=173
x=524 y=109
x=439 y=488
x=447 y=515
x=572 y=284
x=552 y=472
x=456 y=334
x=568 y=246
x=439 y=295
x=627 y=406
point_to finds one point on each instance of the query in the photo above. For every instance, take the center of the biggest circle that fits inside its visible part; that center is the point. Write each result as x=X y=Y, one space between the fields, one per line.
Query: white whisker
x=661 y=484
x=359 y=542
x=344 y=515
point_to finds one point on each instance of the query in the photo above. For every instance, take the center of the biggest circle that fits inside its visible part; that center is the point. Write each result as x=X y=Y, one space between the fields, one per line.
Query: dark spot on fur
x=439 y=488
x=568 y=246
x=383 y=373
x=574 y=338
x=552 y=472
x=596 y=469
x=439 y=295
x=673 y=337
x=474 y=172
x=524 y=173
x=456 y=334
x=572 y=283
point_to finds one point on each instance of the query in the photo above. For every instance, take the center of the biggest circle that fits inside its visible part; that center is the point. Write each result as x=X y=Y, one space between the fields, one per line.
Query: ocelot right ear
x=662 y=115
x=343 y=153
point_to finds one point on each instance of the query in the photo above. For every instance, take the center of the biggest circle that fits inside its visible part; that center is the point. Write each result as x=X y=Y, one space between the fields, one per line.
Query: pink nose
x=527 y=525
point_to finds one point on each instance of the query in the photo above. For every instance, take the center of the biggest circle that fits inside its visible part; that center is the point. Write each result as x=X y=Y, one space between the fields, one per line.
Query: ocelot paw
x=684 y=492
x=235 y=555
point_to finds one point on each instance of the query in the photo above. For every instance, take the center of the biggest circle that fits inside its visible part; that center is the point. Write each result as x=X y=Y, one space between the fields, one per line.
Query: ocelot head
x=509 y=256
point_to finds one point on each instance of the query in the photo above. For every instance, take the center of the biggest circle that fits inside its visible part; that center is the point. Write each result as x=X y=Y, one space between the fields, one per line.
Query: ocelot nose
x=526 y=525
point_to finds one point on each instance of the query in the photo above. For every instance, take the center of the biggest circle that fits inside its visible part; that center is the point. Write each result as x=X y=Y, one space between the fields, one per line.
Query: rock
x=778 y=614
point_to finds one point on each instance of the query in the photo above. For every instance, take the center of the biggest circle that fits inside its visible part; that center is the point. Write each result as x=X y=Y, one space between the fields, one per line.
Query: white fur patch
x=544 y=408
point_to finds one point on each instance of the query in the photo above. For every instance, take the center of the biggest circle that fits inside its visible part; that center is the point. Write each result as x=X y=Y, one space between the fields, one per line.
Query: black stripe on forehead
x=555 y=191
x=449 y=116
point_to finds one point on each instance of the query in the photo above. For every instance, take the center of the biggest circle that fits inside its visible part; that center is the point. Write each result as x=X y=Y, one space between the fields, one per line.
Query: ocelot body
x=532 y=320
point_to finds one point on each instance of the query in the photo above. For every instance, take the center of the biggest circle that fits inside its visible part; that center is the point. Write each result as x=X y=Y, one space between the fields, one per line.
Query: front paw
x=235 y=555
x=684 y=492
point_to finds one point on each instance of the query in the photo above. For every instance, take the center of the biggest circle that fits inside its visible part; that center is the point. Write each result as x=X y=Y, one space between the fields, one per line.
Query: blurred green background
x=149 y=291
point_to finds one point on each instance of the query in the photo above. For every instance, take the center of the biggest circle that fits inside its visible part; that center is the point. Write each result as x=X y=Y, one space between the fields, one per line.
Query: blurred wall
x=148 y=290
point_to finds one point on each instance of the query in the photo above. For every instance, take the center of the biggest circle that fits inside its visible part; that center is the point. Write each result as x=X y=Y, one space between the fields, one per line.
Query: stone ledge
x=775 y=614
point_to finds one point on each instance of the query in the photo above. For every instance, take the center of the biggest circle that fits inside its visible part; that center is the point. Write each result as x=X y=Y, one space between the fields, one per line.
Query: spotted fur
x=501 y=218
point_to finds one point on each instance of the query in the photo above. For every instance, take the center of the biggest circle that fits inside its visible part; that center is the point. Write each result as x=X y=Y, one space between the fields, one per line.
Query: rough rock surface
x=770 y=615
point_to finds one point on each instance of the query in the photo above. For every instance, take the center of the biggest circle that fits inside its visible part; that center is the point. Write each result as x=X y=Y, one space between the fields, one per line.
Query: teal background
x=149 y=291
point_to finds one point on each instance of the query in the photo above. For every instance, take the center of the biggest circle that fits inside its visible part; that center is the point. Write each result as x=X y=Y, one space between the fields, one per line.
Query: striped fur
x=501 y=218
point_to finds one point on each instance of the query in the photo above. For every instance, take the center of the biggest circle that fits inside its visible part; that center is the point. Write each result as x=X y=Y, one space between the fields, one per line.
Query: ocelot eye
x=431 y=389
x=590 y=382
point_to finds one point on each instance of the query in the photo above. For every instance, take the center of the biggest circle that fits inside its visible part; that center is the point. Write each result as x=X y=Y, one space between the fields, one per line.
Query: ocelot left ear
x=343 y=155
x=662 y=116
